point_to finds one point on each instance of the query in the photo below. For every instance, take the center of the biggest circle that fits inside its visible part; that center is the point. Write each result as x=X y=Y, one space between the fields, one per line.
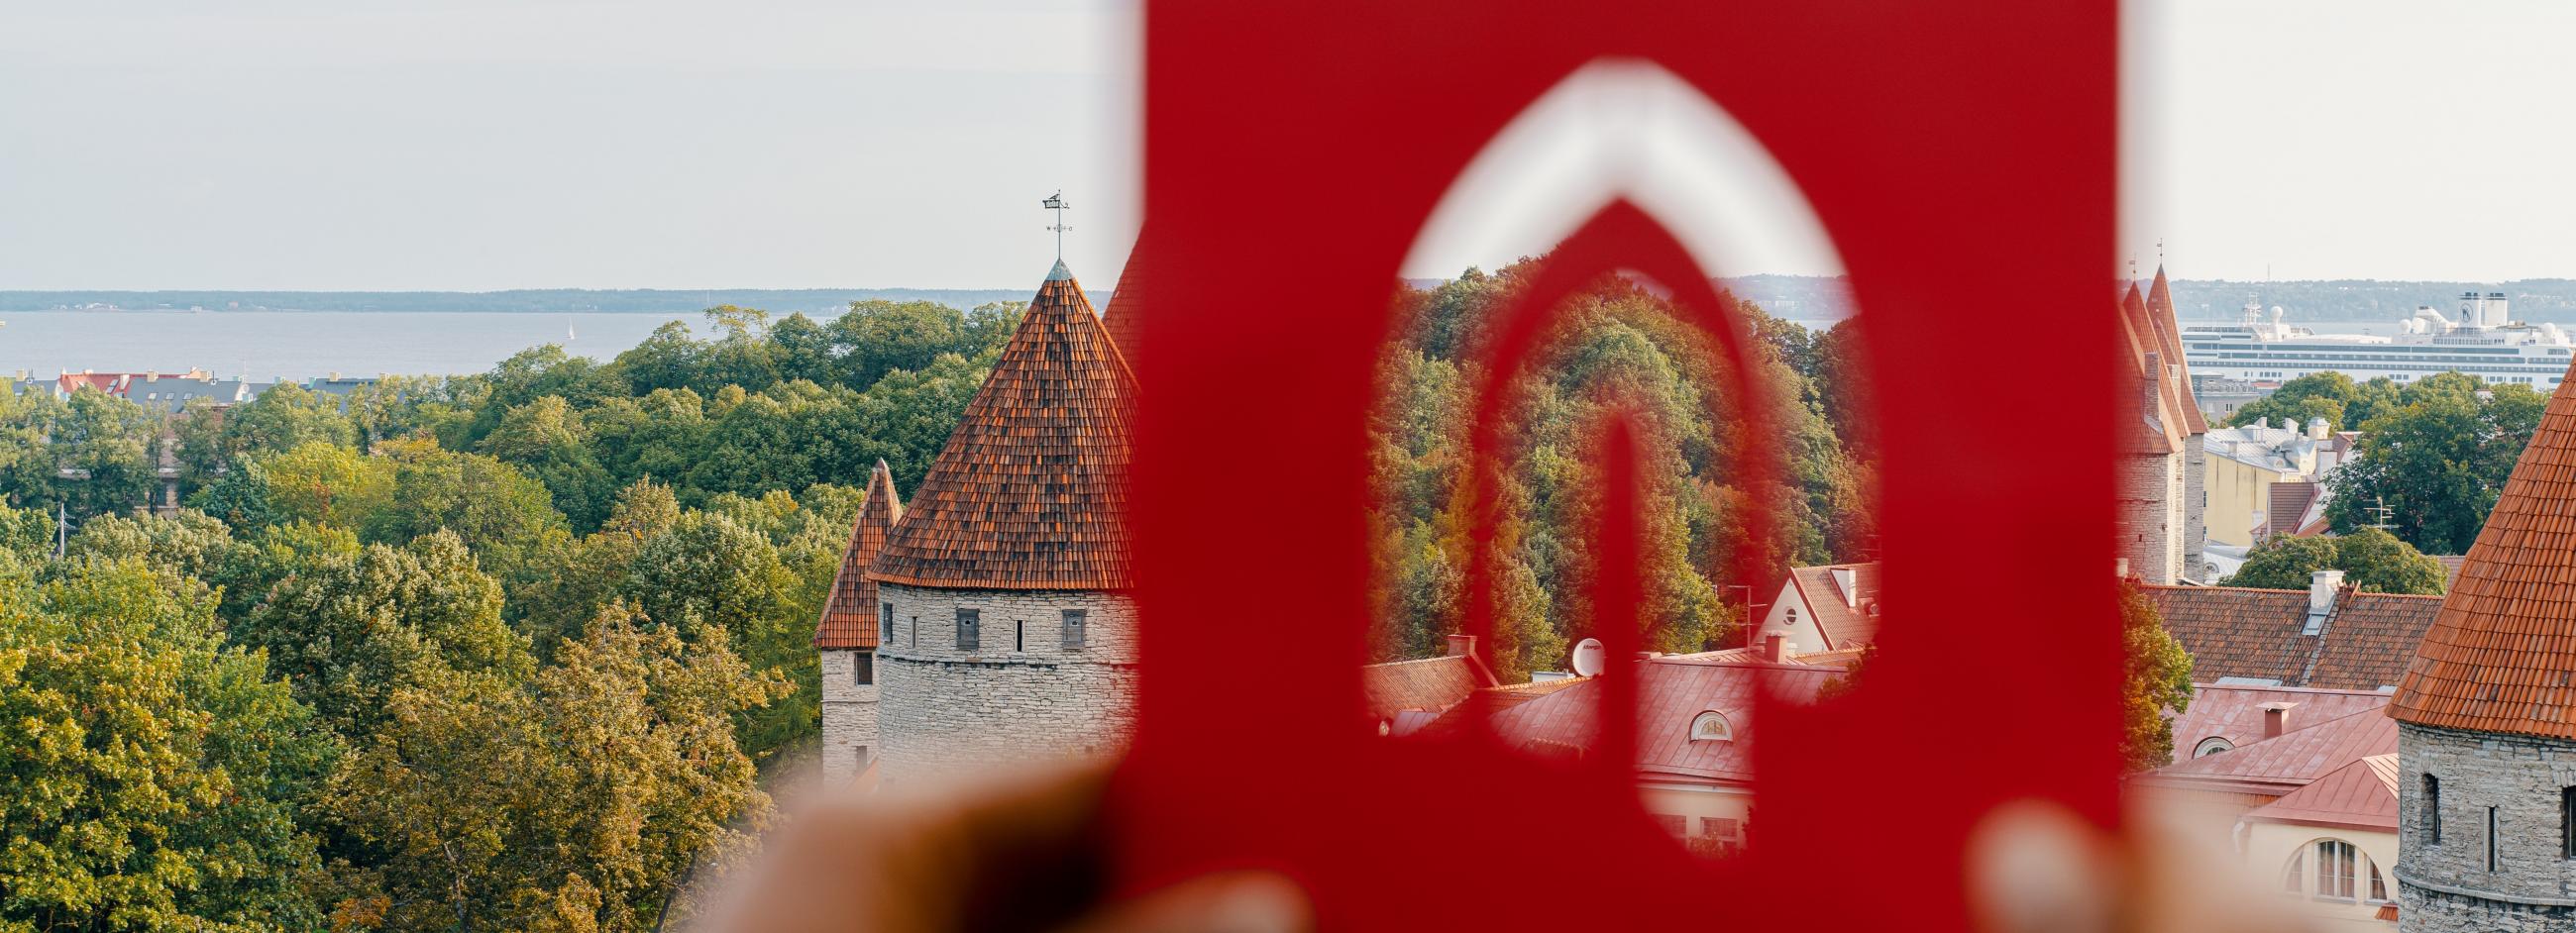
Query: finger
x=1239 y=902
x=2033 y=866
x=1007 y=851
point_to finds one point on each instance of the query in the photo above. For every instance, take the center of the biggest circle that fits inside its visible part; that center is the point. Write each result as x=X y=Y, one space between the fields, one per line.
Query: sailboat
x=568 y=335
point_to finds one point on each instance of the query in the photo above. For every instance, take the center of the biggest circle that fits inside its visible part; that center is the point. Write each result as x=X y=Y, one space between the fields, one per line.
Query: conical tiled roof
x=850 y=616
x=2160 y=313
x=1030 y=492
x=1122 y=315
x=2501 y=655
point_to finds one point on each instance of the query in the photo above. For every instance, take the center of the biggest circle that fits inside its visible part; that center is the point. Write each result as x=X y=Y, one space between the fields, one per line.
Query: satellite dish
x=1587 y=657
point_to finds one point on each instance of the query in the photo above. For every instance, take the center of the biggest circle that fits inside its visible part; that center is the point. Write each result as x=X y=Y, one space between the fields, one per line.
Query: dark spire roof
x=850 y=616
x=1030 y=492
x=2501 y=655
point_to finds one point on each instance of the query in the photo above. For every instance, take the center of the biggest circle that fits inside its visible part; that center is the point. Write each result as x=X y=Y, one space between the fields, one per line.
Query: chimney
x=1462 y=645
x=1775 y=649
x=2318 y=430
x=2276 y=719
x=2321 y=597
x=2147 y=384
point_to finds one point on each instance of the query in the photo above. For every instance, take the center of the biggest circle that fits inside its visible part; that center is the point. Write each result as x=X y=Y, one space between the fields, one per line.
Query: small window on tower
x=1020 y=635
x=968 y=621
x=2431 y=818
x=1077 y=623
x=2567 y=822
x=885 y=620
x=863 y=668
x=915 y=621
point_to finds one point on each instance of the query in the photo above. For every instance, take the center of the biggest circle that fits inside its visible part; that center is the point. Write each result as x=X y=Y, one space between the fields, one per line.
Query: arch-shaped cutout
x=1626 y=129
x=2211 y=746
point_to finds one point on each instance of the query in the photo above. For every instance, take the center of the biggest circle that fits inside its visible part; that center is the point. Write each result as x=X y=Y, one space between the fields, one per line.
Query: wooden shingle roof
x=850 y=616
x=1030 y=492
x=2252 y=634
x=2501 y=655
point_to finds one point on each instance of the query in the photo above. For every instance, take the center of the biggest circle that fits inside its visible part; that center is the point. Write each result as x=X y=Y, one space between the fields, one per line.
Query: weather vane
x=1055 y=202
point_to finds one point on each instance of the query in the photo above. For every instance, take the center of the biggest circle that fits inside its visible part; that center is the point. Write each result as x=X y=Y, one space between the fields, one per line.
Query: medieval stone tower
x=2161 y=471
x=2486 y=734
x=848 y=636
x=1006 y=629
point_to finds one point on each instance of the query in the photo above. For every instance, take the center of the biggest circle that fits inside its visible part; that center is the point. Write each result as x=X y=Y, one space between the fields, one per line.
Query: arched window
x=2337 y=865
x=1711 y=726
x=2211 y=746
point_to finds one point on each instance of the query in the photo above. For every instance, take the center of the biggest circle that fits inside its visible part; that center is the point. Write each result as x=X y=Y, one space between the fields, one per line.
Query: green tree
x=2157 y=678
x=349 y=631
x=547 y=439
x=2371 y=559
x=709 y=570
x=104 y=446
x=149 y=777
x=578 y=801
x=2345 y=404
x=2437 y=460
x=285 y=417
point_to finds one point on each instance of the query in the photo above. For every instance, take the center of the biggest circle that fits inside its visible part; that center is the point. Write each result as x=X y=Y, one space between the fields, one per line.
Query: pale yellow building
x=2264 y=480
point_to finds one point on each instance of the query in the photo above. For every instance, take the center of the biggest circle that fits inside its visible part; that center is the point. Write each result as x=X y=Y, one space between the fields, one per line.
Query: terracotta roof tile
x=2157 y=431
x=1120 y=320
x=1030 y=492
x=2501 y=656
x=850 y=616
x=1849 y=619
x=2359 y=795
x=1427 y=684
x=2260 y=634
x=2168 y=327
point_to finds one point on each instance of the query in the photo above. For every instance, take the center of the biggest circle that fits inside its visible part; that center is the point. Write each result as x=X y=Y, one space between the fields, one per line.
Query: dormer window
x=1711 y=726
x=2211 y=746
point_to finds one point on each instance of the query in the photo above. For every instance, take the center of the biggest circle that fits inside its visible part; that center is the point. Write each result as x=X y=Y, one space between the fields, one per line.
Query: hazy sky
x=483 y=144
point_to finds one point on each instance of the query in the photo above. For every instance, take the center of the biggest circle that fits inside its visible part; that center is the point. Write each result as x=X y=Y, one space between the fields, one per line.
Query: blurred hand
x=2037 y=867
x=1019 y=852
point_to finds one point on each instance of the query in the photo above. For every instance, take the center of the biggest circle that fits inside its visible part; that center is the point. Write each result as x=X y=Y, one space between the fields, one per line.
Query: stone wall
x=1019 y=694
x=2446 y=887
x=2151 y=493
x=2195 y=511
x=849 y=718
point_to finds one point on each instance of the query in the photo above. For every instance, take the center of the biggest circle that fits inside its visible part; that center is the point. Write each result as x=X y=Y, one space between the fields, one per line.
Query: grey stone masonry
x=1020 y=693
x=2195 y=511
x=2447 y=886
x=849 y=717
x=2151 y=495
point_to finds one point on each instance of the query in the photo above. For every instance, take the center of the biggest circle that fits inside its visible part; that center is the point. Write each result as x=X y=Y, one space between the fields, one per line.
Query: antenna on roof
x=2385 y=512
x=1055 y=202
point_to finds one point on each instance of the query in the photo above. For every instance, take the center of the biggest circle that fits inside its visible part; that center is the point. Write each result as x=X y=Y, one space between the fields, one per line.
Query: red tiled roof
x=1427 y=684
x=1670 y=693
x=2359 y=795
x=2168 y=327
x=1030 y=492
x=2370 y=639
x=2289 y=505
x=2260 y=634
x=2235 y=713
x=1846 y=625
x=2501 y=656
x=850 y=616
x=1121 y=318
x=2293 y=759
x=2156 y=428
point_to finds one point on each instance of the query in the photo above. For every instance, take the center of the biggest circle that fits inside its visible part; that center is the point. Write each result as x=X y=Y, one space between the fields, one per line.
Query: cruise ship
x=2482 y=341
